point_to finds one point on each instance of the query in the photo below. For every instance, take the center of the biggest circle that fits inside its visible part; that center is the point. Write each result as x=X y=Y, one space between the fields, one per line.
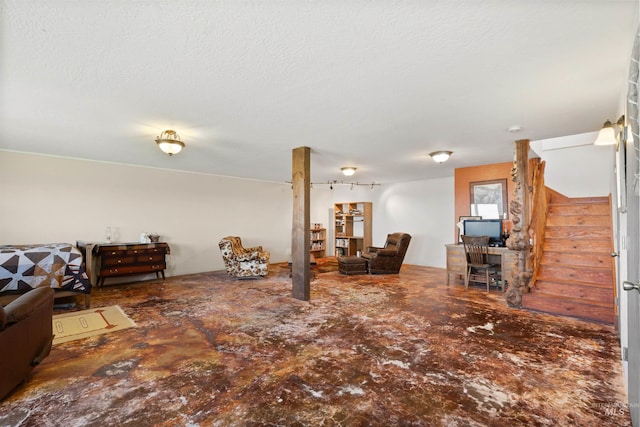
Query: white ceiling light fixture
x=169 y=142
x=348 y=170
x=440 y=156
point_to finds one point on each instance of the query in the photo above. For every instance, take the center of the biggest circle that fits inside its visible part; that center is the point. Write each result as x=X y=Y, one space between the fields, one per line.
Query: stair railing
x=539 y=206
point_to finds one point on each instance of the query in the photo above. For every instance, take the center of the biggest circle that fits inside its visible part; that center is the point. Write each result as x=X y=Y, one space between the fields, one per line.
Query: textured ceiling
x=373 y=84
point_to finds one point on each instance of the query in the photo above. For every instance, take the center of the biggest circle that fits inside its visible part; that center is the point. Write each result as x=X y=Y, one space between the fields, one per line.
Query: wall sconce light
x=607 y=135
x=348 y=170
x=440 y=156
x=169 y=142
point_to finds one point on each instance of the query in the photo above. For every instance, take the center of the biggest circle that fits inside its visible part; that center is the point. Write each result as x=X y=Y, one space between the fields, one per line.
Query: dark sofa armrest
x=373 y=249
x=23 y=306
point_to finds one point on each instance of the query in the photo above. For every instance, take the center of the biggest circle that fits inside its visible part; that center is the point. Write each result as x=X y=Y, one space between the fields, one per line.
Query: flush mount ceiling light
x=169 y=142
x=440 y=156
x=348 y=170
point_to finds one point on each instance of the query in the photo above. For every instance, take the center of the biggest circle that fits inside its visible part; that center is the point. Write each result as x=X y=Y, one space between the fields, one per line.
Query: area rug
x=87 y=323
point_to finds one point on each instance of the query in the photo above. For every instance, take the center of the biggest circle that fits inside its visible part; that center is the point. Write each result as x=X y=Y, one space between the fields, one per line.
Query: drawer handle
x=119 y=261
x=150 y=258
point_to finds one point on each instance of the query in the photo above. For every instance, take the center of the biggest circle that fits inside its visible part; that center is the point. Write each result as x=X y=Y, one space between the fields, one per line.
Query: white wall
x=424 y=209
x=575 y=167
x=47 y=199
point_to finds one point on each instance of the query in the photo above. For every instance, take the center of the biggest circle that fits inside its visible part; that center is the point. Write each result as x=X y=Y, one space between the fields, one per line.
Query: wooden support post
x=519 y=239
x=300 y=239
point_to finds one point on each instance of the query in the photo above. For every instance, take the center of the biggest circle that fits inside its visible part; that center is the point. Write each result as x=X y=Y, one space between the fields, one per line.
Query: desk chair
x=479 y=269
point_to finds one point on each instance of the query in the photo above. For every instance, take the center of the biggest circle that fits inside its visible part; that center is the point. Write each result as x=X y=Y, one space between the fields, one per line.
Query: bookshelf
x=318 y=240
x=352 y=222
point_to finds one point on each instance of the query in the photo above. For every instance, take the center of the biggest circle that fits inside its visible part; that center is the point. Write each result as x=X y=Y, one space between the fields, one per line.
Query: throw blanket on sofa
x=57 y=265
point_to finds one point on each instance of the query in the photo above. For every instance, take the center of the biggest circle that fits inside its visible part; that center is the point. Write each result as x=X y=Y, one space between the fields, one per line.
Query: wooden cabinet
x=318 y=242
x=457 y=263
x=105 y=260
x=353 y=228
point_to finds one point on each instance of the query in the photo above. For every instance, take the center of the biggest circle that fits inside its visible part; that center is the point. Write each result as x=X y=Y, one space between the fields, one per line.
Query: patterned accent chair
x=243 y=262
x=388 y=260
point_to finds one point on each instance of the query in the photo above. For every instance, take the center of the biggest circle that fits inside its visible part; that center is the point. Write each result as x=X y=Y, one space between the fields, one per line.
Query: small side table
x=351 y=265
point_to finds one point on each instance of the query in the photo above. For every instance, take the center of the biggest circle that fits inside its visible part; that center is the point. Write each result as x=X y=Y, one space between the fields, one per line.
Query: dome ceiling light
x=348 y=170
x=440 y=156
x=169 y=142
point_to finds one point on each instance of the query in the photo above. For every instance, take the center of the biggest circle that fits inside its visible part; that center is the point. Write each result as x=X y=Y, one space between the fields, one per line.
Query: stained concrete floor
x=384 y=350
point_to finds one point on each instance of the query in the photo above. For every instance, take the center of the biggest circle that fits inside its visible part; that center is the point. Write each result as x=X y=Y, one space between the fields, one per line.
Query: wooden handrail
x=539 y=205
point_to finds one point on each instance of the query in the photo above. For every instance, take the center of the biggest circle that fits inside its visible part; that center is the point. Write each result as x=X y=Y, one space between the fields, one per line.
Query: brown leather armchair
x=388 y=260
x=26 y=334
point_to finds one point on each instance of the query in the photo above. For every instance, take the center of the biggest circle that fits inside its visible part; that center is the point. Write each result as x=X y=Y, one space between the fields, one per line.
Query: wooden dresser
x=105 y=260
x=457 y=264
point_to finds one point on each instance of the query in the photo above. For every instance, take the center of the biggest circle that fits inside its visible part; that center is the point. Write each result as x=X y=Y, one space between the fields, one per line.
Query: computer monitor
x=484 y=227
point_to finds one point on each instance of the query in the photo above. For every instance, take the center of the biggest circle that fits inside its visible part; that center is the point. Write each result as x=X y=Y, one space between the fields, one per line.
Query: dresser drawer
x=147 y=251
x=132 y=269
x=112 y=260
x=113 y=253
x=150 y=258
x=456 y=262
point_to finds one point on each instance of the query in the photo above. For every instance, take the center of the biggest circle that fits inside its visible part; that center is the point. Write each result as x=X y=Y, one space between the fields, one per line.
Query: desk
x=457 y=263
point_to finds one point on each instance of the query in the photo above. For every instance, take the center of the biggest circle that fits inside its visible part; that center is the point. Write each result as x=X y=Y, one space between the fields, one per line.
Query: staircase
x=576 y=277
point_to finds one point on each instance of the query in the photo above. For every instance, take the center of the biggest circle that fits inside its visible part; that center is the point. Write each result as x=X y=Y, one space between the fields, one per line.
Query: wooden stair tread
x=572 y=307
x=578 y=220
x=555 y=245
x=582 y=245
x=561 y=281
x=579 y=200
x=559 y=249
x=599 y=208
x=596 y=268
x=582 y=301
x=579 y=275
x=571 y=252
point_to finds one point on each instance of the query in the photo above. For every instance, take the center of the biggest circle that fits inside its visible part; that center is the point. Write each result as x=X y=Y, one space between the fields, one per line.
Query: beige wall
x=575 y=167
x=47 y=199
x=422 y=208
